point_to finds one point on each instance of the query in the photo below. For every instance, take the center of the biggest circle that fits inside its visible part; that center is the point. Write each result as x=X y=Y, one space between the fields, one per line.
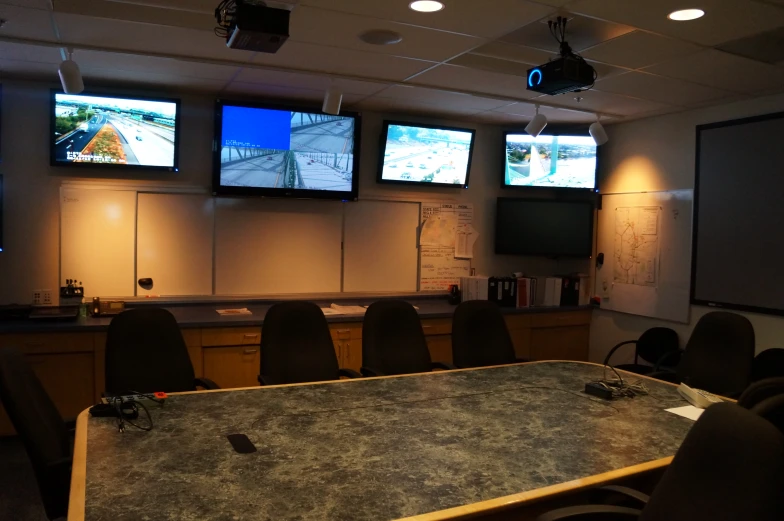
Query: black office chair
x=480 y=337
x=656 y=345
x=44 y=433
x=296 y=346
x=729 y=468
x=768 y=364
x=145 y=353
x=718 y=356
x=393 y=341
x=772 y=409
x=760 y=391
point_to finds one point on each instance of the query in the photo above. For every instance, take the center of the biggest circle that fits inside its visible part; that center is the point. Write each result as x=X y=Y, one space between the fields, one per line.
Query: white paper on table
x=236 y=311
x=687 y=411
x=330 y=311
x=465 y=237
x=349 y=310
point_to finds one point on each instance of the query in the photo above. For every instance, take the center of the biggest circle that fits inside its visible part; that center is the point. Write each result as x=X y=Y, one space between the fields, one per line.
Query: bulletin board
x=646 y=241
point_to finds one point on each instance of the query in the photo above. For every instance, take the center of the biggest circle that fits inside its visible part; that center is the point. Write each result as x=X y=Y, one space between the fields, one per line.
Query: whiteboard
x=97 y=240
x=380 y=246
x=265 y=246
x=646 y=241
x=174 y=243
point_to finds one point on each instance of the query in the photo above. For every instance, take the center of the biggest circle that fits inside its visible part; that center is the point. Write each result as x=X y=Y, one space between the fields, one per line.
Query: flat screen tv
x=430 y=155
x=285 y=151
x=550 y=161
x=544 y=227
x=114 y=131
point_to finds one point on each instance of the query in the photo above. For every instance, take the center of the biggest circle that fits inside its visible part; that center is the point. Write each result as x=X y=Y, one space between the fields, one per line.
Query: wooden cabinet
x=560 y=343
x=347 y=339
x=440 y=347
x=234 y=366
x=230 y=336
x=519 y=327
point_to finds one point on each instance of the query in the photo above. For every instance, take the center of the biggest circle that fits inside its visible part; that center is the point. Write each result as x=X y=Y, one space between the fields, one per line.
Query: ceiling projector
x=569 y=73
x=252 y=26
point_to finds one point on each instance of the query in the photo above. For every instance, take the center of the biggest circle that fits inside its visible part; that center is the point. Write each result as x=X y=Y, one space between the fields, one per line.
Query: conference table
x=428 y=447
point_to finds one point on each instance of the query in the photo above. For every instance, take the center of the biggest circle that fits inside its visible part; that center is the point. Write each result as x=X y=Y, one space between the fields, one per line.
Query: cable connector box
x=598 y=390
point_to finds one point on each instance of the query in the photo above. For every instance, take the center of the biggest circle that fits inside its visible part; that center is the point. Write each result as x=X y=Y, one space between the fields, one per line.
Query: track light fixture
x=537 y=124
x=332 y=100
x=70 y=75
x=597 y=132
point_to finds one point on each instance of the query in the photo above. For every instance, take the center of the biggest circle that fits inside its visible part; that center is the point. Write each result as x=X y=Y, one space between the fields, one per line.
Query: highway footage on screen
x=266 y=148
x=426 y=155
x=91 y=129
x=551 y=161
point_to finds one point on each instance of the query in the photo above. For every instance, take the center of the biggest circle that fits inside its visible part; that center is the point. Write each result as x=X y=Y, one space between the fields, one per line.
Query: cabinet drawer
x=192 y=337
x=563 y=318
x=521 y=321
x=346 y=331
x=560 y=343
x=231 y=336
x=440 y=347
x=437 y=326
x=232 y=367
x=41 y=343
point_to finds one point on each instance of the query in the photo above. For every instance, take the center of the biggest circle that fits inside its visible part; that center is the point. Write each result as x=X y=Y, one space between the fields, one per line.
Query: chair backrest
x=729 y=468
x=479 y=335
x=768 y=364
x=392 y=339
x=719 y=354
x=772 y=409
x=296 y=345
x=145 y=352
x=656 y=342
x=41 y=428
x=761 y=390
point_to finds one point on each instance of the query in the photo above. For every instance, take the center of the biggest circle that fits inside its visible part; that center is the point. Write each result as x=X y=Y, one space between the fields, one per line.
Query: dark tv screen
x=544 y=227
x=114 y=131
x=272 y=150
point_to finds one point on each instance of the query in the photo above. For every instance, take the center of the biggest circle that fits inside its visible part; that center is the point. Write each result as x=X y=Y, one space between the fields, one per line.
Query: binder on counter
x=474 y=288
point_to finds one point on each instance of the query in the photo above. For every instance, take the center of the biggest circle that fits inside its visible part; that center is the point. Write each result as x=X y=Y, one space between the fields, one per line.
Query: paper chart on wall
x=438 y=266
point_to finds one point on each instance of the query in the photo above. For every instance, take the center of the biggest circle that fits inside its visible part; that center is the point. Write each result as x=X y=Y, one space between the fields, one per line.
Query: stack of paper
x=236 y=311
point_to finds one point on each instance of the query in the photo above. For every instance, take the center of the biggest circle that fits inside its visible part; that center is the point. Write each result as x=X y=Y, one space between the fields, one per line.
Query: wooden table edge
x=76 y=501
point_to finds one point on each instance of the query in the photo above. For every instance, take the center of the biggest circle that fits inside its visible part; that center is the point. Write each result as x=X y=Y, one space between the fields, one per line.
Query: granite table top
x=369 y=449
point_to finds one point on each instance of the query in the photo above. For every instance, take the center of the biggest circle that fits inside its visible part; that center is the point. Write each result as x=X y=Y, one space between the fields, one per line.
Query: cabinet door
x=232 y=366
x=351 y=354
x=68 y=379
x=560 y=343
x=440 y=348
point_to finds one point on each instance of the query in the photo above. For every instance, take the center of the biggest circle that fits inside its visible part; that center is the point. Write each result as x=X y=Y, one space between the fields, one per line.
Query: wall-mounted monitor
x=412 y=153
x=285 y=151
x=114 y=131
x=544 y=227
x=549 y=161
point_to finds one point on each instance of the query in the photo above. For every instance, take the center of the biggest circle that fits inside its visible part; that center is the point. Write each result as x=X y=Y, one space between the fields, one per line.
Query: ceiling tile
x=498 y=118
x=17 y=52
x=660 y=89
x=485 y=63
x=764 y=47
x=415 y=107
x=639 y=49
x=22 y=22
x=111 y=77
x=331 y=28
x=307 y=81
x=462 y=78
x=486 y=18
x=581 y=33
x=439 y=97
x=554 y=115
x=148 y=64
x=724 y=20
x=515 y=53
x=716 y=68
x=606 y=103
x=317 y=58
x=272 y=92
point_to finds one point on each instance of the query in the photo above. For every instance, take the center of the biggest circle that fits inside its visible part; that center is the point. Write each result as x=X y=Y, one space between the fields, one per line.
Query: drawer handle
x=343 y=331
x=251 y=335
x=250 y=351
x=426 y=327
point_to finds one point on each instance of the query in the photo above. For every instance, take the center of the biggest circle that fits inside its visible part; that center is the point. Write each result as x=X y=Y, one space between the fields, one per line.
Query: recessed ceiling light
x=684 y=15
x=426 y=6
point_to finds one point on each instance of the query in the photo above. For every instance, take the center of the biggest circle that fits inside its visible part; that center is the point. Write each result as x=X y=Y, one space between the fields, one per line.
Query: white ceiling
x=468 y=60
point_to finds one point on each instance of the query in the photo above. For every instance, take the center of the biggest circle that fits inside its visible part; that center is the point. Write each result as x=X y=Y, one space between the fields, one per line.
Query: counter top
x=373 y=449
x=205 y=315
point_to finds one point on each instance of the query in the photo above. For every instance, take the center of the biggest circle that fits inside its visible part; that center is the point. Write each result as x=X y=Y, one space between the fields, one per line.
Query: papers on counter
x=337 y=309
x=237 y=311
x=687 y=411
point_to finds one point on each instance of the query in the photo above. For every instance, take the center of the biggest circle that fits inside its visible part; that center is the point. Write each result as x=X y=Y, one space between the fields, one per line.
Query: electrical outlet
x=42 y=297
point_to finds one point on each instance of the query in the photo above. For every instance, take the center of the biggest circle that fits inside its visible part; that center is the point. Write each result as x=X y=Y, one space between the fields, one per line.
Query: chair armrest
x=614 y=349
x=592 y=513
x=370 y=372
x=442 y=365
x=674 y=355
x=205 y=383
x=629 y=493
x=350 y=373
x=70 y=424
